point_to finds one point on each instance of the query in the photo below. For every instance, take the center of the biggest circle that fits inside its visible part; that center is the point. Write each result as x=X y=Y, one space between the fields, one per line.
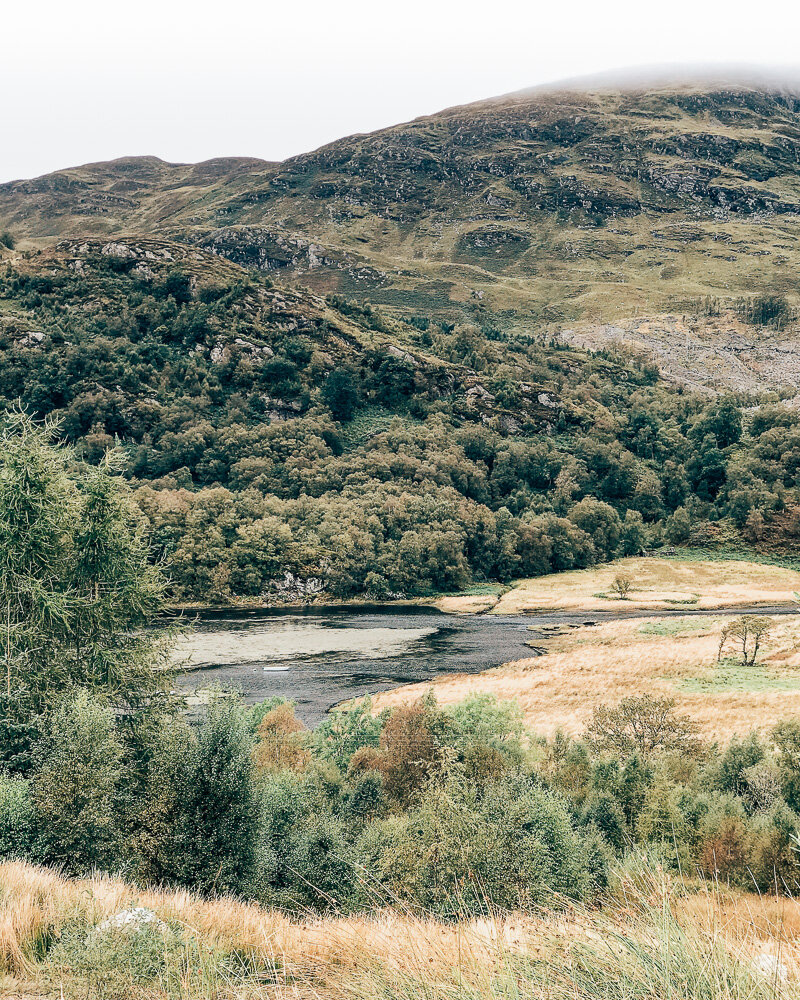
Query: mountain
x=489 y=343
x=545 y=206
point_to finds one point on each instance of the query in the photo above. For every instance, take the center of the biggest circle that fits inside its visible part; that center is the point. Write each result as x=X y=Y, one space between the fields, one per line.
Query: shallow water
x=320 y=658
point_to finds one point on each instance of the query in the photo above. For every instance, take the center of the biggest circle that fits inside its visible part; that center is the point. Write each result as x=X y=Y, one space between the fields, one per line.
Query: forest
x=265 y=433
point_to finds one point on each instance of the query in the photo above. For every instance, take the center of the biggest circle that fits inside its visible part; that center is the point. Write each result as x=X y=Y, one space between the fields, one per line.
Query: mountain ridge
x=551 y=208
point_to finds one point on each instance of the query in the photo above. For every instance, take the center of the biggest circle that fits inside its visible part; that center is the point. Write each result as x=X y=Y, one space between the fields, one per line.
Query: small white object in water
x=274 y=670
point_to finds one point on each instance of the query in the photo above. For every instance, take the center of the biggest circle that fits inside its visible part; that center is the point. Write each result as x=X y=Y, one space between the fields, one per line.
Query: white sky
x=84 y=80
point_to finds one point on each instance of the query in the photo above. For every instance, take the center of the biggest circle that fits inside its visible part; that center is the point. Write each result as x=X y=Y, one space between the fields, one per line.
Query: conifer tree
x=78 y=591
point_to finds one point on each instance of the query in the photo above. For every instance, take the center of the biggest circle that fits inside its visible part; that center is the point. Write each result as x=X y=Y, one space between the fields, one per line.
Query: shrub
x=763 y=785
x=154 y=839
x=342 y=734
x=463 y=849
x=16 y=818
x=178 y=286
x=786 y=737
x=411 y=746
x=723 y=840
x=282 y=740
x=661 y=818
x=307 y=861
x=217 y=836
x=566 y=766
x=621 y=586
x=642 y=725
x=728 y=772
x=341 y=394
x=120 y=963
x=366 y=800
x=74 y=785
x=772 y=850
x=486 y=735
x=767 y=310
x=603 y=812
x=7 y=240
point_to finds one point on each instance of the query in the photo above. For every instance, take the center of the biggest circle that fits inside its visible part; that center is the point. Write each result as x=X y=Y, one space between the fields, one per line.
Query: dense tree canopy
x=264 y=435
x=77 y=585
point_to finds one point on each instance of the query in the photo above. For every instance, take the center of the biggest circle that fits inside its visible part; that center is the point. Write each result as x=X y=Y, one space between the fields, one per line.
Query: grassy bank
x=676 y=657
x=655 y=584
x=653 y=938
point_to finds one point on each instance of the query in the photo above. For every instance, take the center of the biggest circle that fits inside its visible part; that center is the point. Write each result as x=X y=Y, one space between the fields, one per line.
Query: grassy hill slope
x=545 y=206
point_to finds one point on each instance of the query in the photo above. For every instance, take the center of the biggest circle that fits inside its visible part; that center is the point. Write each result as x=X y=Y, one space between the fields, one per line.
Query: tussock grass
x=653 y=939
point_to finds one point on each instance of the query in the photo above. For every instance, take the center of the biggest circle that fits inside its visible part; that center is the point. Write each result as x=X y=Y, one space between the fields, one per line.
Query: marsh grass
x=731 y=675
x=677 y=627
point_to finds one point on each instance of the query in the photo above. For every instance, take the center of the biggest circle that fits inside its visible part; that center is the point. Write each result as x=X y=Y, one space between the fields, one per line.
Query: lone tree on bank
x=747 y=633
x=622 y=586
x=77 y=588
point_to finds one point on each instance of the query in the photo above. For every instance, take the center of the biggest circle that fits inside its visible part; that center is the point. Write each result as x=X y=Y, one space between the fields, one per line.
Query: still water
x=319 y=658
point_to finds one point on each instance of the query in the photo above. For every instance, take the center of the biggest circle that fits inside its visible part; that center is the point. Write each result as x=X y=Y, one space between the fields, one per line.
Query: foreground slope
x=655 y=938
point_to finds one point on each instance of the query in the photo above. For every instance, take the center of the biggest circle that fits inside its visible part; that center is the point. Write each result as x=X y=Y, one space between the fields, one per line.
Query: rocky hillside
x=58 y=301
x=546 y=207
x=708 y=354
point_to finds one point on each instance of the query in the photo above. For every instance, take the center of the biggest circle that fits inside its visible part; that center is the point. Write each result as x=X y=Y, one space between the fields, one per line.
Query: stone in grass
x=132 y=921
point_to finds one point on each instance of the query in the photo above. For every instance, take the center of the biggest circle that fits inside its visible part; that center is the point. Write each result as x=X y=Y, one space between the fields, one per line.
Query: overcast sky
x=187 y=79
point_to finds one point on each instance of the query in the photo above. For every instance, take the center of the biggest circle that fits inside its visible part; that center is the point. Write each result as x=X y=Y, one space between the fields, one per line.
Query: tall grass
x=653 y=939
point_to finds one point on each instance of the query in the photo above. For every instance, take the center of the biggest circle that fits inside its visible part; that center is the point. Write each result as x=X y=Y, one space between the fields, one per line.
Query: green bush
x=17 y=818
x=462 y=850
x=217 y=843
x=75 y=785
x=772 y=850
x=603 y=812
x=342 y=733
x=306 y=857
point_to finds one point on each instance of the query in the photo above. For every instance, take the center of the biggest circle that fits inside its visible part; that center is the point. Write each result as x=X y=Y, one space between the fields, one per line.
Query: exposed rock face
x=708 y=354
x=294 y=588
x=266 y=249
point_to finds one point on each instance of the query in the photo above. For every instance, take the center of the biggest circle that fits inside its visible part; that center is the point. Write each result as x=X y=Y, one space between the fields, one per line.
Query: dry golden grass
x=657 y=584
x=605 y=663
x=391 y=954
x=316 y=957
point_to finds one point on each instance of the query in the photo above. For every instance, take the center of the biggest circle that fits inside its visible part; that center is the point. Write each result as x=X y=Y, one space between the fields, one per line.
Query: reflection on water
x=321 y=658
x=294 y=638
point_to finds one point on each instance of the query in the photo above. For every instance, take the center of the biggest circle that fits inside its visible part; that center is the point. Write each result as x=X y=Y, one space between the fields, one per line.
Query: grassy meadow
x=656 y=584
